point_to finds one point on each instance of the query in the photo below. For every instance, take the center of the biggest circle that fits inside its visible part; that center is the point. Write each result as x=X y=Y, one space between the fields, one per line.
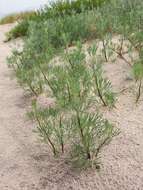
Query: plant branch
x=139 y=91
x=104 y=50
x=48 y=138
x=98 y=90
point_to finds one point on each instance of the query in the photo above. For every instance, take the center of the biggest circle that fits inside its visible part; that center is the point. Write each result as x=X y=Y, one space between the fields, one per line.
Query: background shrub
x=56 y=9
x=17 y=17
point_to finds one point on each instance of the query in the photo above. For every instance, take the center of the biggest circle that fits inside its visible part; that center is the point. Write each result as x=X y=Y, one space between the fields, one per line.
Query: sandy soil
x=25 y=163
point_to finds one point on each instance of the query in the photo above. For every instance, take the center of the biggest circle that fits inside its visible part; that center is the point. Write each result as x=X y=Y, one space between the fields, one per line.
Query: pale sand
x=26 y=164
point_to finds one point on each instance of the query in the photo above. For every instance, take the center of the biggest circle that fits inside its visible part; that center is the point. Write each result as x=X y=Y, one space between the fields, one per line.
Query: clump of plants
x=18 y=31
x=52 y=127
x=56 y=9
x=70 y=124
x=103 y=87
x=29 y=63
x=62 y=8
x=75 y=84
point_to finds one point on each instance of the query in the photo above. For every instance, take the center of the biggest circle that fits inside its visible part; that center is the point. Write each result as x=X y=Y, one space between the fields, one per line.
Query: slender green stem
x=69 y=94
x=98 y=90
x=62 y=142
x=139 y=91
x=104 y=49
x=46 y=79
x=121 y=47
x=32 y=89
x=121 y=57
x=48 y=138
x=82 y=136
x=100 y=146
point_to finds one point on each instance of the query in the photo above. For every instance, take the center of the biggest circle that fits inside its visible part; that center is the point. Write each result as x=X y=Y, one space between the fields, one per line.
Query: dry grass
x=16 y=17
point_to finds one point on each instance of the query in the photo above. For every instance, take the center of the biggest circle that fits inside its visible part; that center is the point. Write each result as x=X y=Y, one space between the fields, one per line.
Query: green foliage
x=68 y=29
x=103 y=21
x=94 y=133
x=18 y=31
x=70 y=119
x=72 y=28
x=52 y=127
x=138 y=74
x=138 y=70
x=56 y=9
x=62 y=8
x=103 y=87
x=77 y=85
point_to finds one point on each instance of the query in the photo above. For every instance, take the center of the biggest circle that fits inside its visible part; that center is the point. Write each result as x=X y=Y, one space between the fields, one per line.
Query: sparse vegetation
x=17 y=17
x=77 y=82
x=72 y=87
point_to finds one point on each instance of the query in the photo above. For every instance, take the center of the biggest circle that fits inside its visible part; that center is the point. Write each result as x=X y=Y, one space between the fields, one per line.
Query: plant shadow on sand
x=53 y=171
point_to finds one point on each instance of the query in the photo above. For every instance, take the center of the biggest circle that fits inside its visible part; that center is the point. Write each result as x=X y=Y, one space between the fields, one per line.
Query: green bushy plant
x=113 y=22
x=29 y=63
x=56 y=9
x=52 y=127
x=103 y=86
x=74 y=28
x=18 y=31
x=22 y=27
x=77 y=85
x=71 y=86
x=94 y=133
x=62 y=8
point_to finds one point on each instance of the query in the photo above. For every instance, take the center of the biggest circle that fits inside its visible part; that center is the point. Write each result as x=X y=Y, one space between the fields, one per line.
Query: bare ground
x=26 y=164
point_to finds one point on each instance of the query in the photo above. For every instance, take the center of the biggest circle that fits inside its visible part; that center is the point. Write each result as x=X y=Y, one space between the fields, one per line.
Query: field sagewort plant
x=71 y=123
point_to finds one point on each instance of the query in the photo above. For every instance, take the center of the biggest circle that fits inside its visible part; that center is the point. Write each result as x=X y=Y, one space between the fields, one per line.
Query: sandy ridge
x=25 y=164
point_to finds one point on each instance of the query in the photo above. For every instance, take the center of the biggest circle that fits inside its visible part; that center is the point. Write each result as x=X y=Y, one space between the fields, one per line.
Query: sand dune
x=25 y=163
